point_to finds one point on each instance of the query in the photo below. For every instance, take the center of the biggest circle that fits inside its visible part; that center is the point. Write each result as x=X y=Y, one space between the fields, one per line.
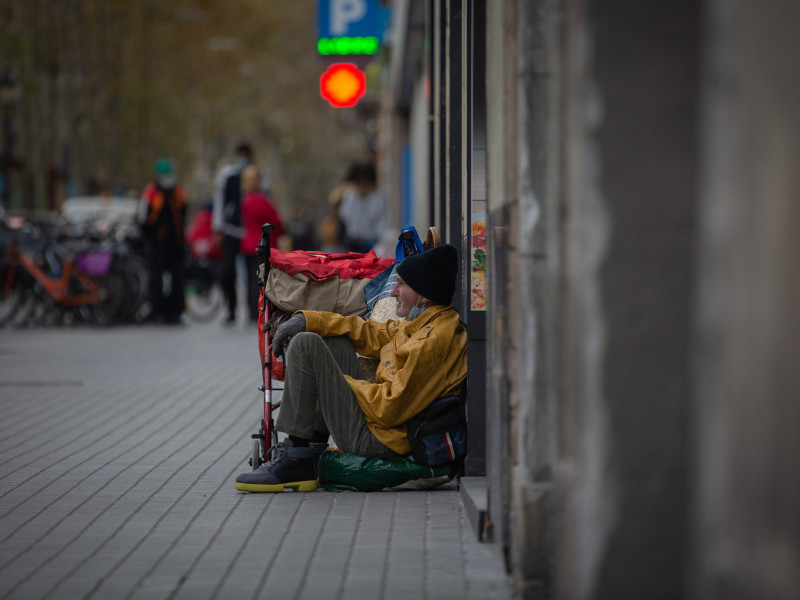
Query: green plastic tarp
x=340 y=471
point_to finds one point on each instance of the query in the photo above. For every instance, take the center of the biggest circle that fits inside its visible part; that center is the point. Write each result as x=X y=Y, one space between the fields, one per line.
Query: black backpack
x=232 y=196
x=438 y=435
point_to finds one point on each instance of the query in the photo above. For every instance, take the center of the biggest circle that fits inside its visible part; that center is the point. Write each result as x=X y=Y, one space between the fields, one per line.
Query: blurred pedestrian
x=257 y=209
x=200 y=236
x=362 y=209
x=301 y=228
x=227 y=221
x=161 y=218
x=331 y=231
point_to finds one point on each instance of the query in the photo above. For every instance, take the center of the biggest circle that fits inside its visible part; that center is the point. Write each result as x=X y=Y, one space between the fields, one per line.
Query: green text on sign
x=342 y=46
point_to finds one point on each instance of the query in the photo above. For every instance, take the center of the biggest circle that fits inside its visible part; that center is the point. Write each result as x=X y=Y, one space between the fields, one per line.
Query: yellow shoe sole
x=297 y=486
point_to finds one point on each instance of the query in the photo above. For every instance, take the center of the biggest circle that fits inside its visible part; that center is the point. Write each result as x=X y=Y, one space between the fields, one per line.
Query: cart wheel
x=255 y=457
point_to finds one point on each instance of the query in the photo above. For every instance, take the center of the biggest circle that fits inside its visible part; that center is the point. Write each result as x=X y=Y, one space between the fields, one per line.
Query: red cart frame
x=267 y=436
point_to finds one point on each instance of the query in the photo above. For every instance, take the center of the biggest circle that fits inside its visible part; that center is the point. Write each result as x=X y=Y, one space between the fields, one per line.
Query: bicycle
x=122 y=242
x=100 y=225
x=202 y=290
x=46 y=277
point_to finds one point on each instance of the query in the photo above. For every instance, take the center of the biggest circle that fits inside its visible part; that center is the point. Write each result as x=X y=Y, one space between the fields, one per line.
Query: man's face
x=406 y=297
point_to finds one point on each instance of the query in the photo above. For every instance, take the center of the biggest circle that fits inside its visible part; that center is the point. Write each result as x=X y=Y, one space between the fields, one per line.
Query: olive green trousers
x=316 y=396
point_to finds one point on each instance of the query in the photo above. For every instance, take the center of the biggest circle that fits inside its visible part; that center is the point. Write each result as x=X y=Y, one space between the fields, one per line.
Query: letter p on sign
x=344 y=12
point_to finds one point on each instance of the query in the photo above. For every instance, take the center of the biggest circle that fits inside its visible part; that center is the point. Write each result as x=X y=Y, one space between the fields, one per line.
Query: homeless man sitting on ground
x=422 y=358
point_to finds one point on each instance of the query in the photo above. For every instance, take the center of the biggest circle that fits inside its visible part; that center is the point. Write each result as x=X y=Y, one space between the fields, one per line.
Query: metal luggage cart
x=267 y=436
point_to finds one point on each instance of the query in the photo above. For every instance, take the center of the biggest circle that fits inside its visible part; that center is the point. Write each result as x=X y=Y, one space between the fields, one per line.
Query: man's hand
x=286 y=332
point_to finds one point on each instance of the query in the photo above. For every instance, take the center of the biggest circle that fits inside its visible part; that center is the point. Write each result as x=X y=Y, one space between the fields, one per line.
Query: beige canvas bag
x=290 y=293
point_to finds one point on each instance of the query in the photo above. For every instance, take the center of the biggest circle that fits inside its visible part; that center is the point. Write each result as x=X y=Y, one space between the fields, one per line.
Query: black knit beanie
x=432 y=273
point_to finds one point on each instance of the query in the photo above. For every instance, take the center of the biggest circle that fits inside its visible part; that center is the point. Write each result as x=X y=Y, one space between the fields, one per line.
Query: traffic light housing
x=342 y=85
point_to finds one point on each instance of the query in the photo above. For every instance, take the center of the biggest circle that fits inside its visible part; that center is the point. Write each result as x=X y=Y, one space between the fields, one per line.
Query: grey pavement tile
x=138 y=501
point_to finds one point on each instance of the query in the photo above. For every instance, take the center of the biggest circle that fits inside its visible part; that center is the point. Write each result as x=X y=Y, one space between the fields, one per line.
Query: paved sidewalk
x=118 y=453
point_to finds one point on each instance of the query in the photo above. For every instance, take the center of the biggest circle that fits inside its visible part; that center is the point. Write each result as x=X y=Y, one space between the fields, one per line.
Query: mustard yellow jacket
x=420 y=361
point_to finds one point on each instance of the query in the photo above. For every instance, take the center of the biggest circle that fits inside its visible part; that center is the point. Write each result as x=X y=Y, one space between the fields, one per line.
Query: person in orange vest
x=161 y=219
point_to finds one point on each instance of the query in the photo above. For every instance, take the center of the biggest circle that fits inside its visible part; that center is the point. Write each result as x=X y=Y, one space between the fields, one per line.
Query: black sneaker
x=293 y=467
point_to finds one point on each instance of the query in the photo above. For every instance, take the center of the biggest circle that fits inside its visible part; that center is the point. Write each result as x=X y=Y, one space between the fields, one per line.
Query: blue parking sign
x=351 y=18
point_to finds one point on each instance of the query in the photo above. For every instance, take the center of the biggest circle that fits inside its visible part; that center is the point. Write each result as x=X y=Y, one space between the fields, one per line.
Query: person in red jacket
x=257 y=209
x=200 y=236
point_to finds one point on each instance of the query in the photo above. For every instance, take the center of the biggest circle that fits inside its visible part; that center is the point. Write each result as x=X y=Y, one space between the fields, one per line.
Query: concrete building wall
x=660 y=344
x=600 y=217
x=502 y=303
x=420 y=156
x=535 y=269
x=747 y=519
x=631 y=227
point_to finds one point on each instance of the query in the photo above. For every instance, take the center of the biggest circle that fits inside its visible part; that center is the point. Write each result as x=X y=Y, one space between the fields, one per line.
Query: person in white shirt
x=226 y=221
x=363 y=209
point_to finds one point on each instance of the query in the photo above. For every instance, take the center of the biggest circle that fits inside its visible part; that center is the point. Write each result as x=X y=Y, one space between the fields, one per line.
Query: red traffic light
x=343 y=84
